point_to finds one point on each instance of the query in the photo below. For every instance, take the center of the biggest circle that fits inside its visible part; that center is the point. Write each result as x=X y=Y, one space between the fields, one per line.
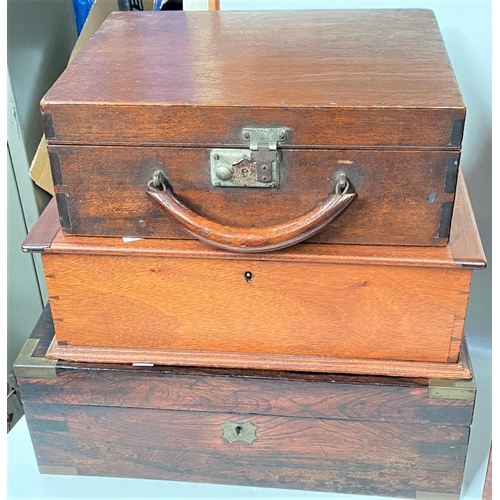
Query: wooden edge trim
x=285 y=362
x=465 y=241
x=301 y=252
x=44 y=231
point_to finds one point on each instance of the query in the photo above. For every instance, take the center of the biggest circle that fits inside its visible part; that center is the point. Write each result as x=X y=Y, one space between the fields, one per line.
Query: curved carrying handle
x=248 y=240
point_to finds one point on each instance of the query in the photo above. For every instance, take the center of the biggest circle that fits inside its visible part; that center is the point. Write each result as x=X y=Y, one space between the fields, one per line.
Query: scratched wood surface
x=289 y=452
x=390 y=114
x=324 y=74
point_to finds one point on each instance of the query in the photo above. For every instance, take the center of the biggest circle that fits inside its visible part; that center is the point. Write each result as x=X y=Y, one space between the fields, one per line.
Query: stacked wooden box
x=260 y=242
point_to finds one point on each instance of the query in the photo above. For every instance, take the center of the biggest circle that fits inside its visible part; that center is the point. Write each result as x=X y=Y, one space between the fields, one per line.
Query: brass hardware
x=58 y=469
x=452 y=389
x=27 y=366
x=427 y=495
x=257 y=166
x=223 y=173
x=239 y=432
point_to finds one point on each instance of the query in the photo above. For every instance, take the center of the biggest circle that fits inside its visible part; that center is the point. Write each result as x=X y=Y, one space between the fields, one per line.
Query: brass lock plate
x=236 y=168
x=258 y=166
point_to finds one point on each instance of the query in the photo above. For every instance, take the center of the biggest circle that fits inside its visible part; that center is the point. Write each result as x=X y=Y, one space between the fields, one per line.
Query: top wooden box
x=358 y=110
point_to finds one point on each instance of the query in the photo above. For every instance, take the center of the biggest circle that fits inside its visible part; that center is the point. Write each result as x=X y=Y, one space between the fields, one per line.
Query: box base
x=322 y=364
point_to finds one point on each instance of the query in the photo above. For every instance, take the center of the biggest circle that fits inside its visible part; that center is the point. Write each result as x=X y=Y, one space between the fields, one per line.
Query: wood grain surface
x=324 y=74
x=464 y=234
x=362 y=399
x=400 y=194
x=451 y=370
x=329 y=455
x=287 y=308
x=279 y=393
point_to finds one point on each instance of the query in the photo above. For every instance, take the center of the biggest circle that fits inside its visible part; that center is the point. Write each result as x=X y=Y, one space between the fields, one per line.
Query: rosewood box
x=388 y=436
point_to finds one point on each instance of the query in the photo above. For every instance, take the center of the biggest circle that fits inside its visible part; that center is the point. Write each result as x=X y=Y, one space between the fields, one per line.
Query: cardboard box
x=40 y=167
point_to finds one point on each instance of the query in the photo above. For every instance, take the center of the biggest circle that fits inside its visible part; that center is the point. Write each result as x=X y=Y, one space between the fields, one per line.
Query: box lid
x=333 y=78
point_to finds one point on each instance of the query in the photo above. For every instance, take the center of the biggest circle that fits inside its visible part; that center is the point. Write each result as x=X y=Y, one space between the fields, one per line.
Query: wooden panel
x=464 y=234
x=287 y=308
x=266 y=394
x=330 y=455
x=103 y=190
x=342 y=86
x=285 y=393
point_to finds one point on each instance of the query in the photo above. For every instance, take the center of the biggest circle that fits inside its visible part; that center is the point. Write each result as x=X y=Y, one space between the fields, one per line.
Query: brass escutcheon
x=239 y=432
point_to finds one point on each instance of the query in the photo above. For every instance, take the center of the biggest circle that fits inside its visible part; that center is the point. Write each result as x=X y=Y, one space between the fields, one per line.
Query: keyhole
x=244 y=171
x=238 y=430
x=248 y=276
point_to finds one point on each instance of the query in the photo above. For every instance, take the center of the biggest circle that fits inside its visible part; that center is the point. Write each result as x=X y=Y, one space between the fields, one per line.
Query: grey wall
x=40 y=37
x=466 y=30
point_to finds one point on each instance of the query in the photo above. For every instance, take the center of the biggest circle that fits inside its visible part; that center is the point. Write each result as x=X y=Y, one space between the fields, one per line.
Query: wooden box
x=404 y=437
x=256 y=130
x=329 y=308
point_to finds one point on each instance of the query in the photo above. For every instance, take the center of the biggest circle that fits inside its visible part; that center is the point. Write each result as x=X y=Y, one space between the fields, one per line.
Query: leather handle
x=249 y=240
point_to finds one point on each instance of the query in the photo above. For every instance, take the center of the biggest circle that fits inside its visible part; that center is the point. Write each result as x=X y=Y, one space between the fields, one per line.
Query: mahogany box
x=256 y=130
x=387 y=436
x=362 y=309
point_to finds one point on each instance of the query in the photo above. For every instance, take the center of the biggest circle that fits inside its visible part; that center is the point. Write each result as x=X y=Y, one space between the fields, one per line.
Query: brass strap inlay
x=58 y=469
x=424 y=495
x=27 y=366
x=452 y=389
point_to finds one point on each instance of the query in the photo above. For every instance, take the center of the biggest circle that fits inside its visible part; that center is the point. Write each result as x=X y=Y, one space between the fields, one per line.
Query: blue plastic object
x=82 y=9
